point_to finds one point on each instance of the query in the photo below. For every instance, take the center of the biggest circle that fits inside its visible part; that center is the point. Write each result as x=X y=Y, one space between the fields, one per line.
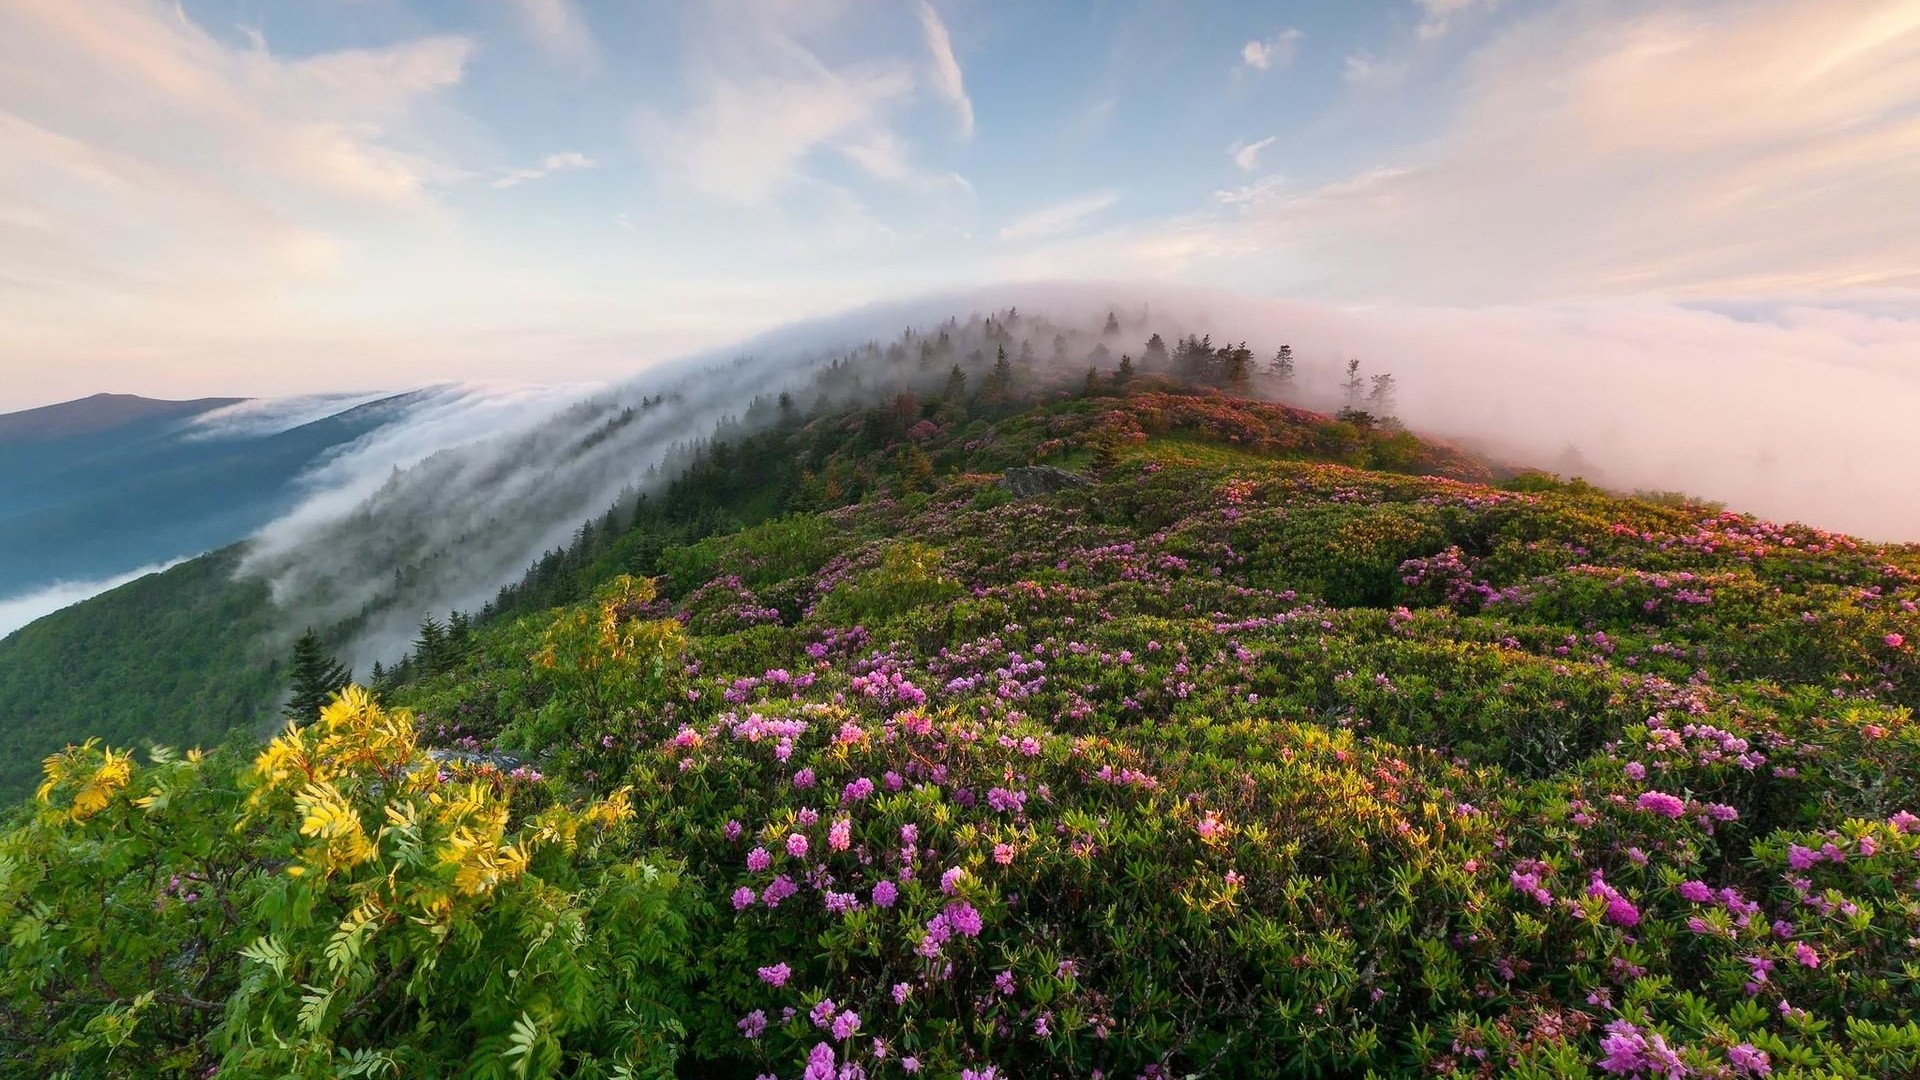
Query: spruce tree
x=315 y=677
x=1125 y=375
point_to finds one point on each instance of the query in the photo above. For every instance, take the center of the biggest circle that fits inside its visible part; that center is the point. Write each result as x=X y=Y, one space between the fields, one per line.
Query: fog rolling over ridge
x=1807 y=414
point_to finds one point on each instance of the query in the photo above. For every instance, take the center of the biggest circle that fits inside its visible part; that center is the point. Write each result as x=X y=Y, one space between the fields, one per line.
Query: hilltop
x=1285 y=744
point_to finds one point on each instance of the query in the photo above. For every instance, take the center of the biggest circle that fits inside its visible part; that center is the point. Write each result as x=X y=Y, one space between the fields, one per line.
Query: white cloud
x=1747 y=148
x=1058 y=219
x=948 y=81
x=152 y=176
x=765 y=103
x=566 y=161
x=1276 y=51
x=558 y=27
x=1246 y=155
x=1438 y=14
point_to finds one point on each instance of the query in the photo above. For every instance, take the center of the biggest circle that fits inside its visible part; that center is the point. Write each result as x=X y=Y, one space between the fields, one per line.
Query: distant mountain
x=94 y=488
x=100 y=413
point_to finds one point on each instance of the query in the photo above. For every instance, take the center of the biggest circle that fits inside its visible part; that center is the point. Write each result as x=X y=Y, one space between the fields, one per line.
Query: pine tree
x=955 y=391
x=1112 y=328
x=1280 y=369
x=1236 y=367
x=430 y=648
x=998 y=388
x=1092 y=387
x=1354 y=384
x=1380 y=400
x=315 y=677
x=1125 y=373
x=1155 y=358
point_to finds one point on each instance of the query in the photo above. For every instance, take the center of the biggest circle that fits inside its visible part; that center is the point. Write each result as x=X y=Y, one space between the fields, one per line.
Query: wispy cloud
x=1733 y=150
x=1278 y=50
x=765 y=102
x=566 y=161
x=1058 y=219
x=559 y=29
x=1437 y=15
x=157 y=174
x=947 y=80
x=1246 y=155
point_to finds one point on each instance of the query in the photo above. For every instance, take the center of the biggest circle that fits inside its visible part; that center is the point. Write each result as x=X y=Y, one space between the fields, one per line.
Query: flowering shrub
x=1242 y=760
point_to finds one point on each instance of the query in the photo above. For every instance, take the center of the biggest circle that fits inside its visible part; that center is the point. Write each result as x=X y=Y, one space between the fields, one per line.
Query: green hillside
x=1255 y=743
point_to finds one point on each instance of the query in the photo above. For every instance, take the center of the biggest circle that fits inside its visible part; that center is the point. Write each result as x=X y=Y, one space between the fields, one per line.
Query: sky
x=271 y=197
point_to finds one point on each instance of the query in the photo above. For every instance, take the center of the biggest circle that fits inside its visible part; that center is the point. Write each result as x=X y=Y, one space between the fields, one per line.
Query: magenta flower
x=885 y=893
x=902 y=991
x=776 y=975
x=752 y=1024
x=1750 y=1060
x=758 y=859
x=1696 y=891
x=1894 y=641
x=1801 y=858
x=823 y=1012
x=797 y=845
x=803 y=778
x=950 y=881
x=743 y=898
x=846 y=1025
x=1659 y=802
x=840 y=835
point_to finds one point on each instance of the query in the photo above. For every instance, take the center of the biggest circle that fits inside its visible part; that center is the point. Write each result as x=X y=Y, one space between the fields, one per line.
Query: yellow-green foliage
x=346 y=906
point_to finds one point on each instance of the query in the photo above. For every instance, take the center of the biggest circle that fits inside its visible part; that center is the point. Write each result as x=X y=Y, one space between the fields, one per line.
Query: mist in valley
x=1803 y=414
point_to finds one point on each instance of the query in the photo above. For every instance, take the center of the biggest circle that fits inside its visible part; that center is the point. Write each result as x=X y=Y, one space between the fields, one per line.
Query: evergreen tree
x=315 y=677
x=1380 y=400
x=430 y=648
x=1112 y=328
x=1354 y=384
x=1280 y=369
x=1236 y=367
x=955 y=391
x=1092 y=386
x=1155 y=358
x=1124 y=375
x=998 y=388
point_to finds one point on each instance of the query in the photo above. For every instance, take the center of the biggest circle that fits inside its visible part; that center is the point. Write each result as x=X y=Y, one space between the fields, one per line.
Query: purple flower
x=776 y=975
x=856 y=791
x=823 y=1012
x=910 y=1064
x=950 y=881
x=820 y=1063
x=1696 y=891
x=885 y=893
x=758 y=859
x=846 y=1025
x=733 y=830
x=902 y=991
x=777 y=890
x=1003 y=982
x=1636 y=771
x=743 y=898
x=803 y=778
x=1801 y=858
x=1659 y=802
x=962 y=917
x=752 y=1024
x=797 y=845
x=1750 y=1060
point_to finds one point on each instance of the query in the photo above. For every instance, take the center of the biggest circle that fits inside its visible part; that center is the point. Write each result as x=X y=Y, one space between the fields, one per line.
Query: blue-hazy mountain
x=104 y=485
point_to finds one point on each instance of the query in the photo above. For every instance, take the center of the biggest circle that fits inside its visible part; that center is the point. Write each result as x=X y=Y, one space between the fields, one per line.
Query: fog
x=1798 y=412
x=18 y=611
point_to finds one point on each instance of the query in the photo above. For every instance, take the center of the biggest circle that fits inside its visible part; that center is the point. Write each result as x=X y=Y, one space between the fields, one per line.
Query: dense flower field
x=1282 y=748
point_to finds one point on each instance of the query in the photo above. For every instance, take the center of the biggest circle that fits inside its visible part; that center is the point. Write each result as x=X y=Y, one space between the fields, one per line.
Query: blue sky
x=267 y=196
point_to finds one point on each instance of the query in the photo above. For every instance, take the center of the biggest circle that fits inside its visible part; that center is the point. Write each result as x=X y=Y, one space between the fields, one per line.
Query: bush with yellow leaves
x=346 y=906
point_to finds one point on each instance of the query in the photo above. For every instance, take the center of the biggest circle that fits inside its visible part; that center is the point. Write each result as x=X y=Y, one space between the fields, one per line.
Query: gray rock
x=1028 y=481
